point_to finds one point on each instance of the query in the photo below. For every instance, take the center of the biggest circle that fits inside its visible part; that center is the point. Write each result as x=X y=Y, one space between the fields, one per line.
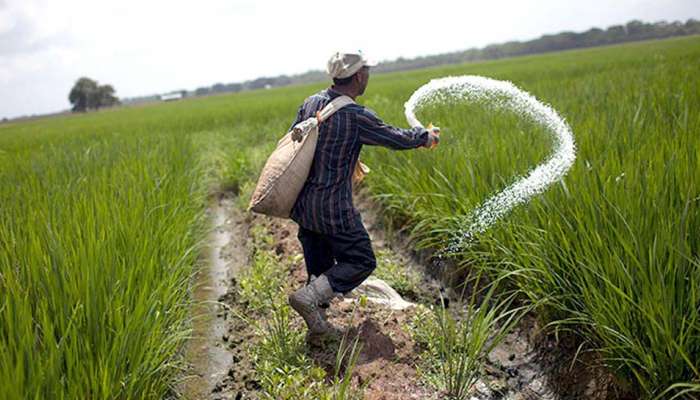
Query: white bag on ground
x=380 y=292
x=287 y=168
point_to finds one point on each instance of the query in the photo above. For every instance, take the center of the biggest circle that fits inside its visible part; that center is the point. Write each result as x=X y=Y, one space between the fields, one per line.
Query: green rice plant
x=101 y=215
x=456 y=348
x=285 y=371
x=607 y=252
x=87 y=286
x=680 y=391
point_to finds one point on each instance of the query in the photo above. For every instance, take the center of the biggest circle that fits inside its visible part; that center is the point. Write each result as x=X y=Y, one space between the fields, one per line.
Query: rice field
x=102 y=216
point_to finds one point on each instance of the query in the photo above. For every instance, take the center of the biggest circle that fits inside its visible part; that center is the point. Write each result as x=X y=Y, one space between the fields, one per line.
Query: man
x=337 y=248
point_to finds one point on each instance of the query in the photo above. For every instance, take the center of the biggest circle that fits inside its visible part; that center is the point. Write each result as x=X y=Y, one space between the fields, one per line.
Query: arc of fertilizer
x=501 y=95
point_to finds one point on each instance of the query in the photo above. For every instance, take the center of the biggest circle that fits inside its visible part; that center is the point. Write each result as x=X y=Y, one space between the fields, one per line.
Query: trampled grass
x=101 y=215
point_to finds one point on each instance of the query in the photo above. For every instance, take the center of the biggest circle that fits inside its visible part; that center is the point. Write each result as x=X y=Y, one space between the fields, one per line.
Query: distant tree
x=637 y=29
x=692 y=26
x=82 y=94
x=86 y=94
x=106 y=97
x=201 y=91
x=218 y=88
x=233 y=87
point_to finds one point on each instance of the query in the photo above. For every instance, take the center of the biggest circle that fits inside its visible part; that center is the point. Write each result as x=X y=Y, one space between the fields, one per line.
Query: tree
x=87 y=94
x=106 y=97
x=218 y=88
x=82 y=94
x=201 y=91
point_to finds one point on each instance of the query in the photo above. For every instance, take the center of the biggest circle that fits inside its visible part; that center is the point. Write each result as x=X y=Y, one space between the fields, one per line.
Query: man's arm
x=374 y=131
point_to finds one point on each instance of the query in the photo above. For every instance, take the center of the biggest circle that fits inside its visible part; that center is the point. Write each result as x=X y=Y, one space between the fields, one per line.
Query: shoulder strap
x=335 y=105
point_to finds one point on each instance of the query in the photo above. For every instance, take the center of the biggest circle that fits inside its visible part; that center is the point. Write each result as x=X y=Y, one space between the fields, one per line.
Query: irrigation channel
x=527 y=364
x=208 y=358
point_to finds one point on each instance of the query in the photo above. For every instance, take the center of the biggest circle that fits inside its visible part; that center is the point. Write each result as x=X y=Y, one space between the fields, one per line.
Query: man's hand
x=433 y=136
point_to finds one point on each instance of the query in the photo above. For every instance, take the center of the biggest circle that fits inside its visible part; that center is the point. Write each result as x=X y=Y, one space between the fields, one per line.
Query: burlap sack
x=287 y=168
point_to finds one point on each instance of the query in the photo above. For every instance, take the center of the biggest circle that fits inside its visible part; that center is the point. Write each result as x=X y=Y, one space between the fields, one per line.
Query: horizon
x=43 y=52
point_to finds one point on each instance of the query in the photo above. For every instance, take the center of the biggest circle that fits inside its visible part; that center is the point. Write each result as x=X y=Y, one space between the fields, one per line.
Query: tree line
x=632 y=31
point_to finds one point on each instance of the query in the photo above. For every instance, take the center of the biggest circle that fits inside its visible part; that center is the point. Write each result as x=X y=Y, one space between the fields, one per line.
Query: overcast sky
x=152 y=46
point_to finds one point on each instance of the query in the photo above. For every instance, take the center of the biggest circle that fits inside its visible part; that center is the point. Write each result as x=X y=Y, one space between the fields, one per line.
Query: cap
x=344 y=65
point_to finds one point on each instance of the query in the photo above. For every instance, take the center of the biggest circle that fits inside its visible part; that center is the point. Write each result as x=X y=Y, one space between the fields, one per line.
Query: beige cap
x=344 y=65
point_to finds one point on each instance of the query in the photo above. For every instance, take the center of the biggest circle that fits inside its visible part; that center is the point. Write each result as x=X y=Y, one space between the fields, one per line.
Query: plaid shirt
x=325 y=202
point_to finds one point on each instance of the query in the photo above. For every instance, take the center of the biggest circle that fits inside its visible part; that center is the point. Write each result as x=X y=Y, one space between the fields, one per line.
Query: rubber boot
x=305 y=301
x=323 y=307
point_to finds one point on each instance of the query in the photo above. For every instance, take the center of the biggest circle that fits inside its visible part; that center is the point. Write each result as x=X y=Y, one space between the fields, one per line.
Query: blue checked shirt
x=325 y=202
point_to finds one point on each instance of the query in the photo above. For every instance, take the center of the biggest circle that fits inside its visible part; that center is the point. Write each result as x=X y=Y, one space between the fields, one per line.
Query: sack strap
x=301 y=129
x=335 y=105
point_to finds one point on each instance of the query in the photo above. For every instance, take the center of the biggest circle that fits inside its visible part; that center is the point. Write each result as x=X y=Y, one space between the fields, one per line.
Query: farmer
x=337 y=248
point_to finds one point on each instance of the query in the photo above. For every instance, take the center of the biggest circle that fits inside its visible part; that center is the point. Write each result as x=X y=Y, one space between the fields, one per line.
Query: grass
x=455 y=344
x=87 y=286
x=282 y=365
x=611 y=248
x=101 y=215
x=101 y=224
x=401 y=277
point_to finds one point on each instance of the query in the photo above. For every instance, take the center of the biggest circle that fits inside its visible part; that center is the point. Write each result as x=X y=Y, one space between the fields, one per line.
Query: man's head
x=350 y=71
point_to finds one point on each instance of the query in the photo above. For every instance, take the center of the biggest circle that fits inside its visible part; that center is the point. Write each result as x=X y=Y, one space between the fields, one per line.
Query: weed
x=456 y=348
x=403 y=279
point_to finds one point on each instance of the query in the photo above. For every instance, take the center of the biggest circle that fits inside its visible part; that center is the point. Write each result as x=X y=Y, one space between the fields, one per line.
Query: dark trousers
x=346 y=258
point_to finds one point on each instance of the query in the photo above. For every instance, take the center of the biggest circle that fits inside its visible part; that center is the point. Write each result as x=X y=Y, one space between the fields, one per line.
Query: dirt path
x=387 y=364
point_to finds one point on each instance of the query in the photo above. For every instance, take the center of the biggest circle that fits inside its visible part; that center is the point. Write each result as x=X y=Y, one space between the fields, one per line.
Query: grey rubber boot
x=324 y=306
x=305 y=301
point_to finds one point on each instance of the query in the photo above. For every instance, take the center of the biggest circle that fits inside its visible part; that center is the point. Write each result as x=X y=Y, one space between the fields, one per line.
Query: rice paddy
x=102 y=216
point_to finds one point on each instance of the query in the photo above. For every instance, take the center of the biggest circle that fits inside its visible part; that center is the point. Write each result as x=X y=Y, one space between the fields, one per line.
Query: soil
x=528 y=364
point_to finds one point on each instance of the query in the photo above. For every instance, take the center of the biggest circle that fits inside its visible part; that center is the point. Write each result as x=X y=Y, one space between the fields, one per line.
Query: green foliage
x=87 y=94
x=402 y=278
x=282 y=365
x=456 y=346
x=612 y=246
x=101 y=222
x=262 y=282
x=87 y=286
x=632 y=31
x=101 y=215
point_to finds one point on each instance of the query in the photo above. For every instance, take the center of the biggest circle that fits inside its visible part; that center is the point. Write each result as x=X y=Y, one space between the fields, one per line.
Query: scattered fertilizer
x=500 y=95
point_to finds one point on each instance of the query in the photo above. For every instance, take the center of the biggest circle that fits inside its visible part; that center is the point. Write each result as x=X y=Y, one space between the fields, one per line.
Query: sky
x=144 y=47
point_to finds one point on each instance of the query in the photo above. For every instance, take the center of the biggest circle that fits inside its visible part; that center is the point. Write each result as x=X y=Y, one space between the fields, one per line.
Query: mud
x=531 y=362
x=208 y=357
x=528 y=364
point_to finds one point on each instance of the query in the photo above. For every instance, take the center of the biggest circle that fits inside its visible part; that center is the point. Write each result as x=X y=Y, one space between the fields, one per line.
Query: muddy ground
x=528 y=364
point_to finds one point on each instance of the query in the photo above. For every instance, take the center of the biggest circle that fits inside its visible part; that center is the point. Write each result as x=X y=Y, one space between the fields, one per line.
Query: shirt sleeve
x=373 y=131
x=299 y=118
